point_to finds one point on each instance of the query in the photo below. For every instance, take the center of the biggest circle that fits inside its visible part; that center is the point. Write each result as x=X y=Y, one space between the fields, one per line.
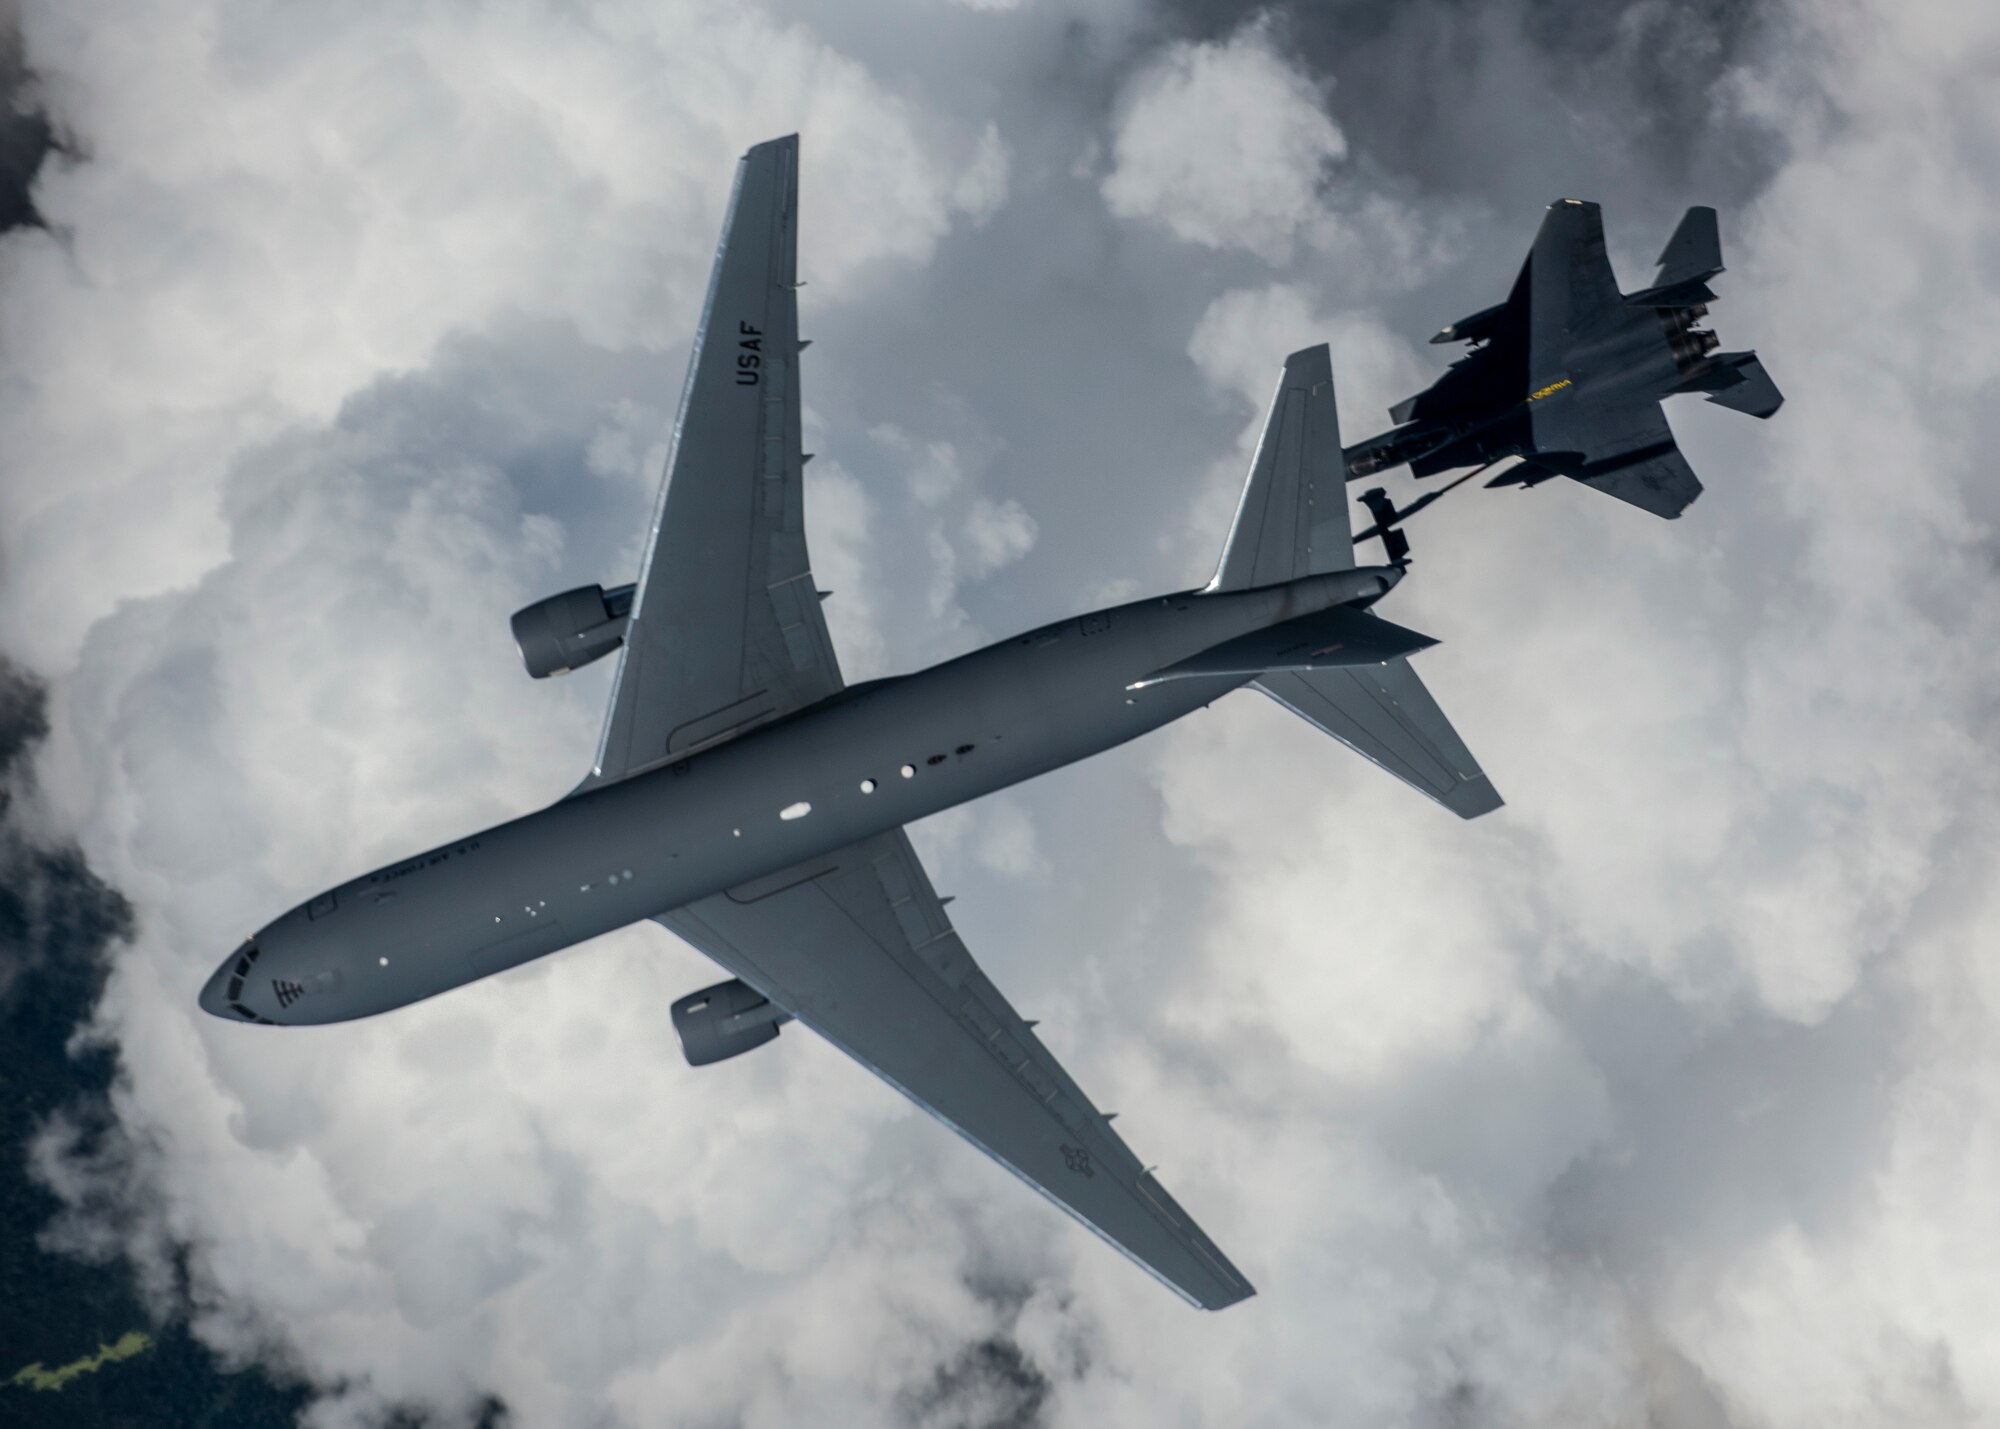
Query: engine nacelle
x=1690 y=344
x=725 y=1021
x=566 y=632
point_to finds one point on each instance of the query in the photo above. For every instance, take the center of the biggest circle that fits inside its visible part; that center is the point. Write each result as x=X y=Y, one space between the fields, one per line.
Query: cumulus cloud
x=1224 y=144
x=965 y=537
x=1662 y=1095
x=326 y=202
x=997 y=533
x=1229 y=145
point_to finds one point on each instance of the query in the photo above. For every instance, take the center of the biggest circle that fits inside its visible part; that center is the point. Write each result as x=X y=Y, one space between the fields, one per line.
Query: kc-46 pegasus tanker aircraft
x=748 y=800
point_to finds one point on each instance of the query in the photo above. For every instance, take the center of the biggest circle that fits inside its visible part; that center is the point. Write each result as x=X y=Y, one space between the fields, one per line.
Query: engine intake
x=566 y=632
x=725 y=1021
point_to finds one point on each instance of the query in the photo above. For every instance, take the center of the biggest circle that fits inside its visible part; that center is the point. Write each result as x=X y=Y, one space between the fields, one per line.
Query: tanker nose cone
x=213 y=999
x=222 y=995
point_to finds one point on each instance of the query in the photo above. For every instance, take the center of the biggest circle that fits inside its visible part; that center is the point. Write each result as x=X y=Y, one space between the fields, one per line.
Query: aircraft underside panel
x=856 y=946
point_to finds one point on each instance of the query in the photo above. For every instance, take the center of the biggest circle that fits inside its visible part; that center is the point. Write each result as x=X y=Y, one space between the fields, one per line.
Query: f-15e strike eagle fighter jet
x=753 y=804
x=1568 y=373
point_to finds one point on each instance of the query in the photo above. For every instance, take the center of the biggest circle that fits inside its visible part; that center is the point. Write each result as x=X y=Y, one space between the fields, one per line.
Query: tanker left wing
x=726 y=630
x=856 y=946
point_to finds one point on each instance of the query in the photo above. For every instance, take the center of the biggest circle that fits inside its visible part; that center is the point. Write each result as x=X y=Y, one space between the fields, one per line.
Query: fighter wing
x=1624 y=449
x=726 y=630
x=856 y=946
x=1571 y=289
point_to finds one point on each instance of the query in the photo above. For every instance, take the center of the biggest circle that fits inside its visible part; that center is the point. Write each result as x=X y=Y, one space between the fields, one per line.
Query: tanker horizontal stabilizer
x=1384 y=714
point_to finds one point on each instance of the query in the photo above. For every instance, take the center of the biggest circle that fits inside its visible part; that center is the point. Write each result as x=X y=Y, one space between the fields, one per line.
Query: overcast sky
x=1667 y=1096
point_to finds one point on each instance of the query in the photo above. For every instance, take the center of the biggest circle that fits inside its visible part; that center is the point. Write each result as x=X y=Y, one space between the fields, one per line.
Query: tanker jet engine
x=752 y=803
x=1568 y=373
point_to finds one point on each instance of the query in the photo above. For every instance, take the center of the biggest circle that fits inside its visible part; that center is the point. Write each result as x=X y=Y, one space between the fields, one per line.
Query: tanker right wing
x=856 y=946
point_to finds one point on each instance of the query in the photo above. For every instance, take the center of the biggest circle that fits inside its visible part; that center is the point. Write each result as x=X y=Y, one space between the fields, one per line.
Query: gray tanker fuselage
x=873 y=757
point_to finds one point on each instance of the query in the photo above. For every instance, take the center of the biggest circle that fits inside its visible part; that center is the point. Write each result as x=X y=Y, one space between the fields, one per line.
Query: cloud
x=965 y=538
x=56 y=916
x=1476 y=112
x=1662 y=1095
x=998 y=533
x=1229 y=145
x=452 y=169
x=1225 y=145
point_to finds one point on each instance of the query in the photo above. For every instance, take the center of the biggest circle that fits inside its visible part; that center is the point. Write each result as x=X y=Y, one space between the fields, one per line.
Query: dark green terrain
x=77 y=1347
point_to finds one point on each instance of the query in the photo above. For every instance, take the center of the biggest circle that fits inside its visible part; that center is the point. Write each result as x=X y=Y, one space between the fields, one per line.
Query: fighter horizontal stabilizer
x=1738 y=381
x=1324 y=640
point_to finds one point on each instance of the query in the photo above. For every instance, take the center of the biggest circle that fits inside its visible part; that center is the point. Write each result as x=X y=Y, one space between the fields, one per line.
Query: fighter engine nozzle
x=1690 y=344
